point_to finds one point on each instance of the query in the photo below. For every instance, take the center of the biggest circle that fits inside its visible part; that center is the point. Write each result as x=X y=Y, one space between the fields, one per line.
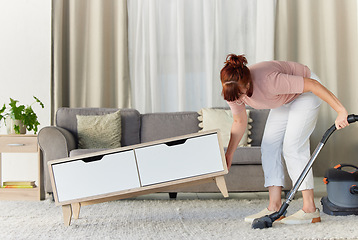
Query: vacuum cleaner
x=267 y=221
x=342 y=191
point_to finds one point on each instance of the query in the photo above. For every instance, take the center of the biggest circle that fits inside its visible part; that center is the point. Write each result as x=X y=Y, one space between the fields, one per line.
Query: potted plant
x=19 y=118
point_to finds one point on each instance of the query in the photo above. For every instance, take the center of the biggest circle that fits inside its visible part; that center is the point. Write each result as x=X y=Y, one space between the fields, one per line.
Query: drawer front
x=18 y=144
x=81 y=179
x=177 y=160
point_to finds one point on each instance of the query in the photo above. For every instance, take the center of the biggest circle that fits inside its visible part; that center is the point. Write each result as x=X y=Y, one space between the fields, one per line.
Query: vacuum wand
x=267 y=221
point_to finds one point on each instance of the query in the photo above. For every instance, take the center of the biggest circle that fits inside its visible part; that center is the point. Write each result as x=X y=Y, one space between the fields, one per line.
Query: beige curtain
x=323 y=35
x=90 y=54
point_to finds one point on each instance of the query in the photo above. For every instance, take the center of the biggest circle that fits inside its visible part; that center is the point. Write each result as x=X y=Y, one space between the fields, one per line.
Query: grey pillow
x=99 y=131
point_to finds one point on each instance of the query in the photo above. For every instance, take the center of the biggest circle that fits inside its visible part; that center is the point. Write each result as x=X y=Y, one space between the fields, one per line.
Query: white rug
x=162 y=219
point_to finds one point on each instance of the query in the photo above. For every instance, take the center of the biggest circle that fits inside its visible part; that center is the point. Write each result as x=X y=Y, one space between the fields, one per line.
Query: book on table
x=19 y=184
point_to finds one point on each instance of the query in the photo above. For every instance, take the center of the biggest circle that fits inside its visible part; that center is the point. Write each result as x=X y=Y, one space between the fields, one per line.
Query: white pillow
x=99 y=131
x=211 y=119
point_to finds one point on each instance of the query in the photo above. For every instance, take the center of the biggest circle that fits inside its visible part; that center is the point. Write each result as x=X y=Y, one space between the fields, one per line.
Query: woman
x=293 y=93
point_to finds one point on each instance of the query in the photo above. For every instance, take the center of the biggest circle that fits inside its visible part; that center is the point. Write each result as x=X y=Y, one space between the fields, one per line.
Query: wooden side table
x=22 y=144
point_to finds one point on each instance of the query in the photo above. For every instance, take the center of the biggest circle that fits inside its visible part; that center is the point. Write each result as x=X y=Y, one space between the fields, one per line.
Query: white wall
x=25 y=64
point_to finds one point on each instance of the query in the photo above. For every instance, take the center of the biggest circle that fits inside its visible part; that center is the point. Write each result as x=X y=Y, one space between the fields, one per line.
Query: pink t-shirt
x=275 y=83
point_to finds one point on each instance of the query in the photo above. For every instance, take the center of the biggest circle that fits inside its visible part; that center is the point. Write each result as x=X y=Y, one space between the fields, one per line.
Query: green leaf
x=2 y=110
x=39 y=101
x=17 y=129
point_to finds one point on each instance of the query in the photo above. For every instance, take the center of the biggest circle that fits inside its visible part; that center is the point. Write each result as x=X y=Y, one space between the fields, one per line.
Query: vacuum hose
x=267 y=221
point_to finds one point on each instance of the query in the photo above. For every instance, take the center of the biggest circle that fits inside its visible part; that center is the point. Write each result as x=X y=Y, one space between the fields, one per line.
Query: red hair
x=235 y=72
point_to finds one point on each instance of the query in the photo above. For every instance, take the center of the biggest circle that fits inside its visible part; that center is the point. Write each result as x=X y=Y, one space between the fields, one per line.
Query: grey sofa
x=245 y=175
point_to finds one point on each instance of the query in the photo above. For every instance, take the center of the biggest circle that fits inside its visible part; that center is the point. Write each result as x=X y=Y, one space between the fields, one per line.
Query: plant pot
x=10 y=124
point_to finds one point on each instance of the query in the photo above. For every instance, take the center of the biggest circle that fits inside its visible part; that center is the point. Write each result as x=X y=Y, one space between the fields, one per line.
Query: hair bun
x=236 y=61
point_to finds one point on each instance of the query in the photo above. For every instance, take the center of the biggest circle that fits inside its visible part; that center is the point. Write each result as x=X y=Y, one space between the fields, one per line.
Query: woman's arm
x=311 y=85
x=237 y=131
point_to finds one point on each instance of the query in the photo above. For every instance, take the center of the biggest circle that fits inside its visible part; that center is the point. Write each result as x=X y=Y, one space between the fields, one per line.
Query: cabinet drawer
x=180 y=159
x=96 y=175
x=18 y=144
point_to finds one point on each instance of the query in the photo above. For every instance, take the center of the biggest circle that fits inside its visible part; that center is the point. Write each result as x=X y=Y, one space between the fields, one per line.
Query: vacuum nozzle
x=267 y=221
x=262 y=222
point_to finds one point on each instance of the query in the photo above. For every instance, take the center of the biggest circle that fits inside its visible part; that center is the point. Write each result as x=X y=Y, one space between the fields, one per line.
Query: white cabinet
x=136 y=170
x=179 y=159
x=96 y=175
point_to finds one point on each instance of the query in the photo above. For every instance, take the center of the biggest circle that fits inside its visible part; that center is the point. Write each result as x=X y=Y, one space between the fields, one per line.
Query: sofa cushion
x=156 y=126
x=99 y=131
x=130 y=121
x=222 y=119
x=246 y=155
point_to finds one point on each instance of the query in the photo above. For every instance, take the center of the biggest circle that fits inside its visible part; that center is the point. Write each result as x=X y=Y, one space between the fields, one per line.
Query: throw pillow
x=99 y=131
x=211 y=118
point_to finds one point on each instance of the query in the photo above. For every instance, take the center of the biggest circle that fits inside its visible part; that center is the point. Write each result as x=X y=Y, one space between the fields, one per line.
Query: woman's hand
x=341 y=120
x=228 y=160
x=237 y=131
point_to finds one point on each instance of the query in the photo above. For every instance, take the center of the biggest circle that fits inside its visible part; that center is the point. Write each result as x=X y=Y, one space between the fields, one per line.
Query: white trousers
x=287 y=132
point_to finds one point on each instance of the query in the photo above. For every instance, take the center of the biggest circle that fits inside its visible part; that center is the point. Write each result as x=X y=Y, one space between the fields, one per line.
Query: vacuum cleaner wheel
x=332 y=209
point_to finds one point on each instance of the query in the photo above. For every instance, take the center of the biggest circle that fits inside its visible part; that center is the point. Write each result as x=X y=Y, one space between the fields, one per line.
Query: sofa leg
x=173 y=195
x=286 y=192
x=51 y=196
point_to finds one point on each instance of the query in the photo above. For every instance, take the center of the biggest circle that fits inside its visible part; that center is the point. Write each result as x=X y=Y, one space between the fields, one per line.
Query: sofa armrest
x=55 y=143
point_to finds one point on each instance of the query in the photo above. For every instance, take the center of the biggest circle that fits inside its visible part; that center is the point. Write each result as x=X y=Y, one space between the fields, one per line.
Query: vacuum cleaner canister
x=342 y=191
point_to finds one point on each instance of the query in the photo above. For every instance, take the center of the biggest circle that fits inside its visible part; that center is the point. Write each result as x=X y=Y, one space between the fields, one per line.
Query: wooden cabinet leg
x=67 y=214
x=76 y=210
x=220 y=182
